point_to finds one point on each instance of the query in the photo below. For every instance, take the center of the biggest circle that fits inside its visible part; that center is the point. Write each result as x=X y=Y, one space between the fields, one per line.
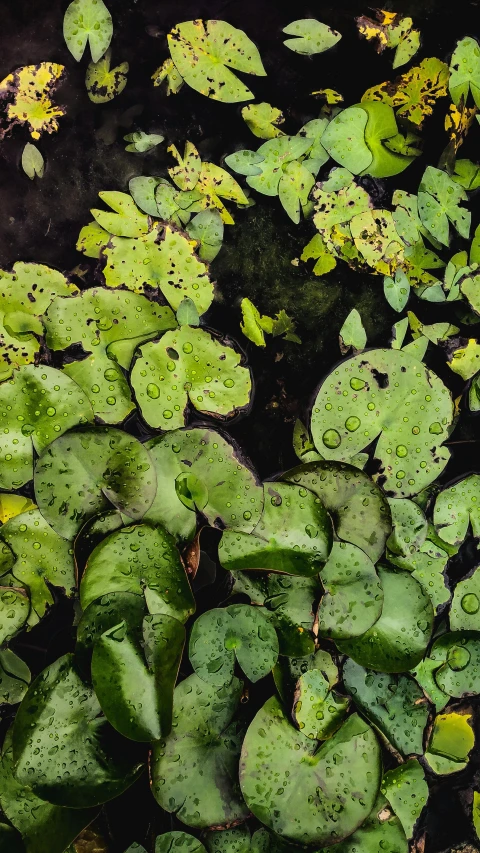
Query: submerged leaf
x=141 y=142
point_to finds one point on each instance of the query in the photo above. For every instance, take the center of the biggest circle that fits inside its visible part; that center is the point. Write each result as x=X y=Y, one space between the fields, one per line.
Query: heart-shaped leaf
x=353 y=597
x=311 y=36
x=465 y=71
x=407 y=792
x=14 y=678
x=87 y=20
x=466 y=603
x=457 y=508
x=382 y=830
x=104 y=83
x=455 y=663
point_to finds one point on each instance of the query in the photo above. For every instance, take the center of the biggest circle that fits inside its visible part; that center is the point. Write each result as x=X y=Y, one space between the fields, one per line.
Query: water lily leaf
x=168 y=264
x=276 y=154
x=134 y=681
x=109 y=325
x=398 y=639
x=103 y=82
x=294 y=188
x=311 y=36
x=357 y=506
x=352 y=334
x=414 y=94
x=193 y=462
x=289 y=670
x=142 y=189
x=390 y=29
x=254 y=325
x=44 y=828
x=427 y=566
x=186 y=174
x=136 y=557
x=25 y=294
x=377 y=241
x=407 y=792
x=14 y=610
x=384 y=140
x=341 y=435
x=457 y=508
x=381 y=830
x=410 y=527
x=141 y=142
x=86 y=768
x=470 y=287
x=302 y=443
x=450 y=743
x=33 y=163
x=187 y=314
x=299 y=810
x=465 y=360
x=466 y=604
x=85 y=472
x=395 y=705
x=465 y=71
x=204 y=52
x=14 y=678
x=344 y=139
x=240 y=632
x=353 y=598
x=245 y=162
x=87 y=21
x=318 y=711
x=26 y=96
x=337 y=206
x=215 y=183
x=207 y=228
x=199 y=370
x=438 y=204
x=454 y=660
x=194 y=771
x=467 y=174
x=263 y=120
x=37 y=405
x=181 y=841
x=92 y=240
x=316 y=248
x=171 y=74
x=126 y=221
x=40 y=558
x=294 y=534
x=105 y=613
x=397 y=290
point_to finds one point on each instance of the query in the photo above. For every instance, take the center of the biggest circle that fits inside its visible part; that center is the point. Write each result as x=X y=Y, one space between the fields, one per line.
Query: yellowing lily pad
x=26 y=94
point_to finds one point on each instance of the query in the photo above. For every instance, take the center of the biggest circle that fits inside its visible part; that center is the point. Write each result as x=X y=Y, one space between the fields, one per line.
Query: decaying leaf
x=391 y=29
x=26 y=95
x=169 y=72
x=104 y=83
x=263 y=120
x=414 y=94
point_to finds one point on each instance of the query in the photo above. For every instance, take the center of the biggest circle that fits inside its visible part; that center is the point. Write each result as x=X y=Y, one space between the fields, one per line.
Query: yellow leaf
x=458 y=122
x=27 y=92
x=214 y=182
x=414 y=93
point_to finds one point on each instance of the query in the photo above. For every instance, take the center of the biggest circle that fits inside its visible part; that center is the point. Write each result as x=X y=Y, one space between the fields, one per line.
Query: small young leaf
x=187 y=314
x=263 y=120
x=311 y=36
x=32 y=161
x=141 y=142
x=352 y=334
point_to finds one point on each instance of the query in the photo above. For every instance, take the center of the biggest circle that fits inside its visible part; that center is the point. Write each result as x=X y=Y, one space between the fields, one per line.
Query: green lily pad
x=189 y=365
x=357 y=506
x=314 y=803
x=104 y=83
x=311 y=36
x=382 y=830
x=133 y=681
x=398 y=639
x=466 y=604
x=141 y=142
x=126 y=220
x=386 y=396
x=199 y=462
x=87 y=21
x=294 y=188
x=344 y=139
x=451 y=741
x=318 y=711
x=109 y=325
x=204 y=52
x=111 y=466
x=136 y=558
x=14 y=678
x=457 y=508
x=353 y=597
x=382 y=128
x=181 y=842
x=352 y=334
x=62 y=748
x=25 y=294
x=92 y=239
x=465 y=71
x=239 y=632
x=410 y=527
x=276 y=154
x=38 y=558
x=294 y=534
x=394 y=704
x=103 y=614
x=438 y=204
x=162 y=260
x=14 y=610
x=245 y=162
x=45 y=828
x=289 y=670
x=427 y=566
x=407 y=792
x=194 y=771
x=455 y=660
x=207 y=228
x=37 y=406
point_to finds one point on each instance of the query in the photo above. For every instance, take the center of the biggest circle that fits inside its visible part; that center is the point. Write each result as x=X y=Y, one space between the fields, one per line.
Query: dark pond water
x=41 y=221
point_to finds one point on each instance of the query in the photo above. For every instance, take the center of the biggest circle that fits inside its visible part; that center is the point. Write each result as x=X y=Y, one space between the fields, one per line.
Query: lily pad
x=45 y=828
x=207 y=228
x=263 y=120
x=410 y=527
x=189 y=366
x=352 y=334
x=344 y=139
x=37 y=406
x=439 y=200
x=382 y=830
x=167 y=264
x=62 y=749
x=135 y=558
x=14 y=610
x=38 y=558
x=392 y=396
x=141 y=142
x=318 y=711
x=26 y=96
x=314 y=803
x=357 y=506
x=353 y=598
x=87 y=21
x=276 y=154
x=105 y=613
x=109 y=325
x=415 y=93
x=204 y=52
x=103 y=82
x=311 y=36
x=465 y=71
x=194 y=771
x=457 y=509
x=33 y=163
x=240 y=632
x=407 y=792
x=399 y=638
x=466 y=604
x=294 y=534
x=451 y=741
x=199 y=470
x=134 y=681
x=86 y=471
x=14 y=678
x=394 y=704
x=181 y=842
x=125 y=221
x=455 y=660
